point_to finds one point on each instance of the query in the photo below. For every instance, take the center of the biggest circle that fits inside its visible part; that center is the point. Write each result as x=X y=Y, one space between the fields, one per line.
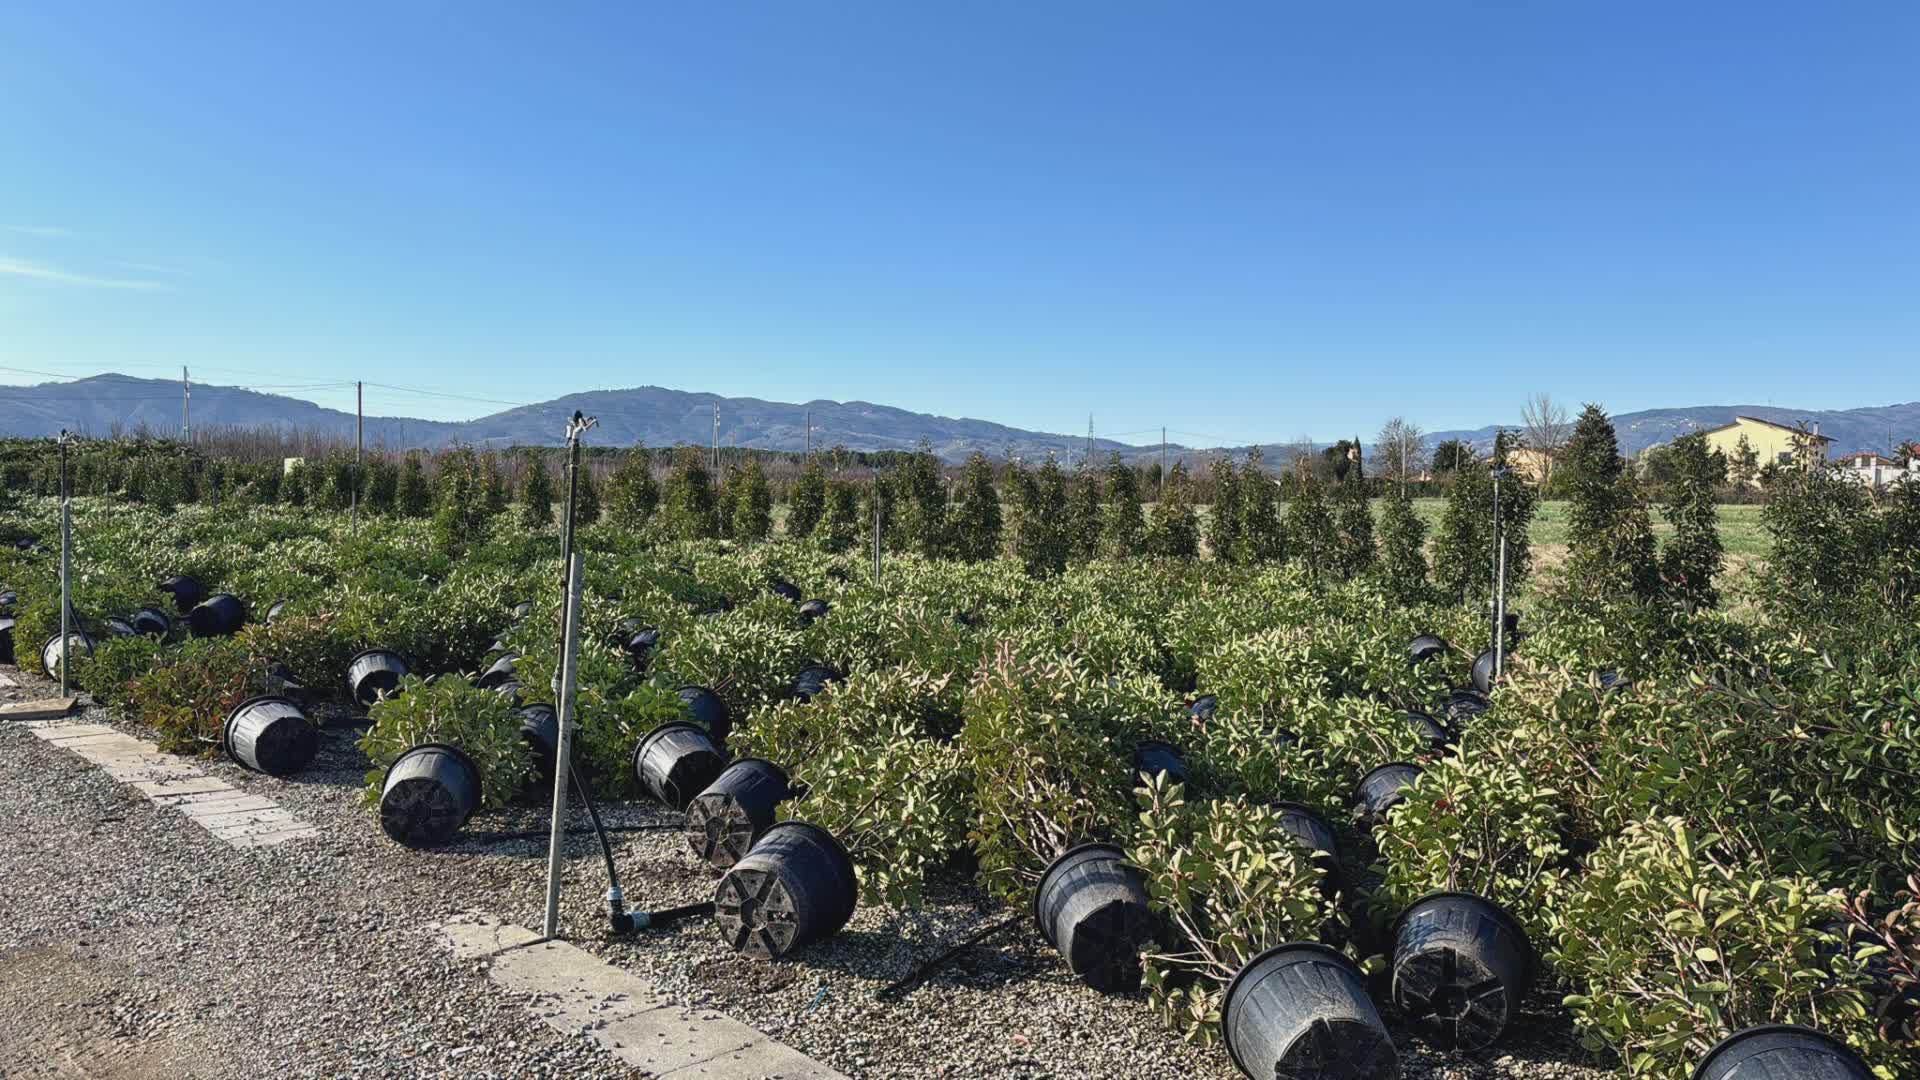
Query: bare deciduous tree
x=1398 y=451
x=1548 y=426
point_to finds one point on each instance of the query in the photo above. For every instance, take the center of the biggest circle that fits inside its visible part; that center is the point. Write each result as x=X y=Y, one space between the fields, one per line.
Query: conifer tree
x=1123 y=526
x=1173 y=529
x=752 y=504
x=1261 y=534
x=632 y=495
x=977 y=519
x=536 y=491
x=1223 y=517
x=839 y=527
x=920 y=503
x=807 y=503
x=1310 y=528
x=688 y=506
x=1403 y=560
x=1694 y=555
x=1083 y=517
x=1610 y=546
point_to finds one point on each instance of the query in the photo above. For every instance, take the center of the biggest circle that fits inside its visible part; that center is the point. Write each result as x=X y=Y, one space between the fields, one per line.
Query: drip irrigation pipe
x=919 y=974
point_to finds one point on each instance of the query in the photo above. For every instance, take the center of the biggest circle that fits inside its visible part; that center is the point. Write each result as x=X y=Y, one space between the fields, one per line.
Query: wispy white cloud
x=42 y=272
x=152 y=268
x=39 y=230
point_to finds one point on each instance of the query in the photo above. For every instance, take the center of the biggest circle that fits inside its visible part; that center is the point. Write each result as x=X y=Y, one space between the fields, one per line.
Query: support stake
x=563 y=747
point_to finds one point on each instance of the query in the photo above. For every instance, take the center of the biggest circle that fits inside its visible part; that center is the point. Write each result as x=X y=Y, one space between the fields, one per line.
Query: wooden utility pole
x=186 y=395
x=1163 y=463
x=716 y=442
x=809 y=432
x=1089 y=440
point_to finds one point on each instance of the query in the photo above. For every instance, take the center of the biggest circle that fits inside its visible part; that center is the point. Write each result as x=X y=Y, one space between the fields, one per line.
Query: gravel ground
x=138 y=945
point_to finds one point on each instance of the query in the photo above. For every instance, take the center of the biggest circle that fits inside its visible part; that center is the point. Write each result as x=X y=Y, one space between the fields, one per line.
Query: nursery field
x=1140 y=817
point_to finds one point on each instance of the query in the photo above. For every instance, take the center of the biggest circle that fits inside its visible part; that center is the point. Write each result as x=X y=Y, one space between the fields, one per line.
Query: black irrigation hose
x=583 y=830
x=914 y=978
x=606 y=849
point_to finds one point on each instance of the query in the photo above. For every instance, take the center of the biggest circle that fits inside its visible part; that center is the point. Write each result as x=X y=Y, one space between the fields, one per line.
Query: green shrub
x=1676 y=939
x=449 y=709
x=115 y=663
x=1043 y=778
x=1480 y=823
x=1231 y=883
x=188 y=695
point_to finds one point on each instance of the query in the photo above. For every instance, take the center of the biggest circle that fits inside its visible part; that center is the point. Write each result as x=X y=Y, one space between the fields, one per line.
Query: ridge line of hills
x=102 y=404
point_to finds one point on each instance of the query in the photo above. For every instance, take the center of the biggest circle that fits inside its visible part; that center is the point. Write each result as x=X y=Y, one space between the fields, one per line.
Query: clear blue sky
x=1254 y=220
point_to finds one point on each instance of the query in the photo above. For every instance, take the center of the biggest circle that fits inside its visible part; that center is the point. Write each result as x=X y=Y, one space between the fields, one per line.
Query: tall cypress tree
x=1403 y=560
x=807 y=502
x=536 y=491
x=753 y=504
x=1694 y=555
x=1123 y=526
x=920 y=498
x=1260 y=535
x=977 y=519
x=1173 y=529
x=632 y=494
x=1223 y=517
x=1610 y=545
x=688 y=505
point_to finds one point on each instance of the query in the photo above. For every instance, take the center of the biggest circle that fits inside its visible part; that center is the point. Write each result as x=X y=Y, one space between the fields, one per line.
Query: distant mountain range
x=104 y=404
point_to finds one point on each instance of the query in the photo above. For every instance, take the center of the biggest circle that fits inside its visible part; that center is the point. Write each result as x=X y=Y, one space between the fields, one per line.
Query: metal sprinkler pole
x=66 y=565
x=1496 y=544
x=563 y=747
x=1500 y=614
x=876 y=540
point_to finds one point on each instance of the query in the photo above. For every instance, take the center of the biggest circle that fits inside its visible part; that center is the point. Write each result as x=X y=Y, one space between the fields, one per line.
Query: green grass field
x=1740 y=529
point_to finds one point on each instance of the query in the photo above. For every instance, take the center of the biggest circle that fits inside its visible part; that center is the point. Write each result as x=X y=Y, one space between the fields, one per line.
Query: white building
x=1875 y=471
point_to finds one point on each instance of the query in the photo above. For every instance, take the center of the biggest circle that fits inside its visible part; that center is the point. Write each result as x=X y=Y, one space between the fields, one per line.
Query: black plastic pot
x=51 y=654
x=1300 y=1011
x=277 y=608
x=8 y=598
x=219 y=615
x=1431 y=732
x=707 y=710
x=725 y=820
x=120 y=628
x=1092 y=908
x=1781 y=1052
x=509 y=690
x=1483 y=672
x=1613 y=680
x=1384 y=788
x=151 y=621
x=785 y=590
x=1312 y=830
x=794 y=887
x=640 y=645
x=1460 y=968
x=522 y=609
x=813 y=610
x=6 y=640
x=429 y=793
x=1154 y=756
x=811 y=681
x=1204 y=707
x=270 y=734
x=540 y=730
x=375 y=672
x=677 y=761
x=1426 y=647
x=187 y=592
x=500 y=672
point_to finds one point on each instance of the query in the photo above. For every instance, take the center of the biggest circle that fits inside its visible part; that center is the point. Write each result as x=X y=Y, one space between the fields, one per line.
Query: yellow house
x=1534 y=465
x=1773 y=442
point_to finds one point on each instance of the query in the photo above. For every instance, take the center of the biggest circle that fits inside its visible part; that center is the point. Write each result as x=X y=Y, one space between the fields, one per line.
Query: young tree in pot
x=1477 y=837
x=1230 y=881
x=865 y=764
x=1046 y=781
x=480 y=725
x=1677 y=939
